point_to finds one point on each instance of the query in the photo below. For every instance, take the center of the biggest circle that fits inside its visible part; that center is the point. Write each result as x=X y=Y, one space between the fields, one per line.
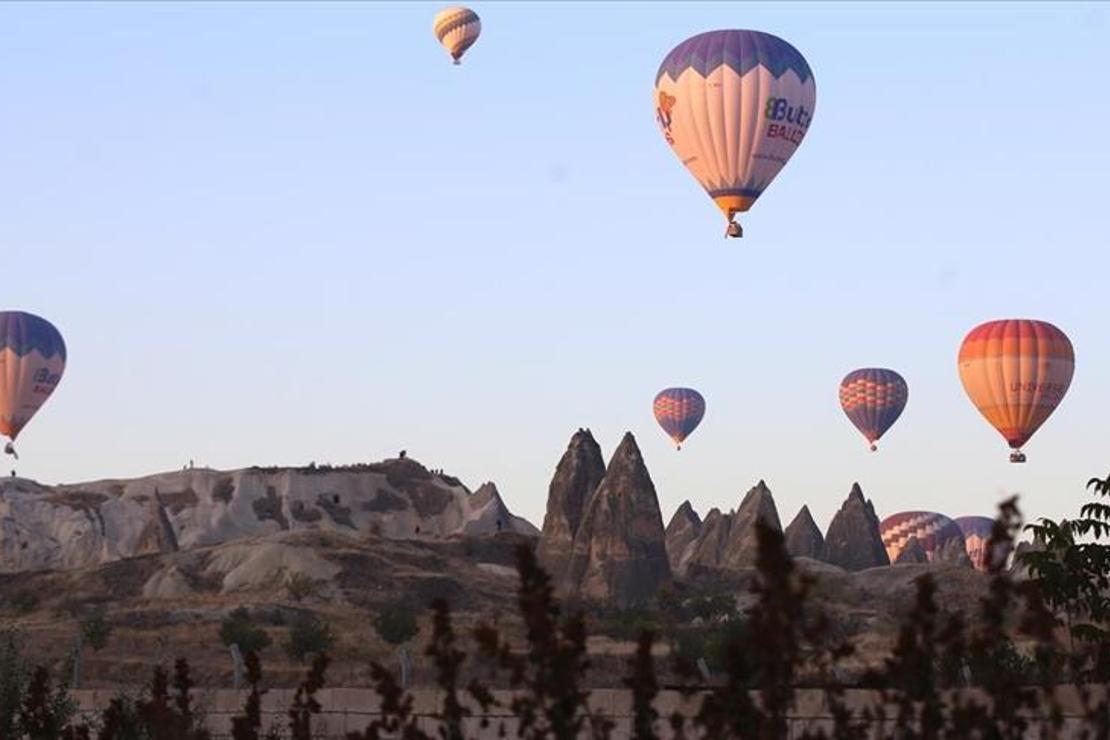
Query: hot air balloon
x=32 y=359
x=977 y=533
x=734 y=106
x=457 y=28
x=873 y=399
x=932 y=530
x=1016 y=372
x=679 y=411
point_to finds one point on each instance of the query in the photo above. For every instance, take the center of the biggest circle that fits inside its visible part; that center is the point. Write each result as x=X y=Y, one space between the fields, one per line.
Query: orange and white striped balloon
x=1016 y=372
x=457 y=28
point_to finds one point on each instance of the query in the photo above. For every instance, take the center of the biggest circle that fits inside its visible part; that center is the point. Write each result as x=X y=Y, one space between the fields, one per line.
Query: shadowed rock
x=853 y=541
x=912 y=552
x=728 y=541
x=619 y=556
x=953 y=552
x=577 y=476
x=682 y=532
x=803 y=538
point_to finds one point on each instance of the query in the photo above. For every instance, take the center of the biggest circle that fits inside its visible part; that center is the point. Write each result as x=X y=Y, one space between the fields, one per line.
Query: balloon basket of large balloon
x=1017 y=456
x=734 y=230
x=874 y=447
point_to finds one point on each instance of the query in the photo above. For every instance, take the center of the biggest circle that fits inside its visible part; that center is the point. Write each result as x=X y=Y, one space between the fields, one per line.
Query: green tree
x=1073 y=569
x=309 y=636
x=238 y=628
x=396 y=624
x=14 y=675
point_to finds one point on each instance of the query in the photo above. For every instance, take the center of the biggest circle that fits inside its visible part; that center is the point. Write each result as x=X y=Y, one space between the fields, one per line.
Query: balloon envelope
x=932 y=530
x=678 y=411
x=457 y=28
x=1016 y=372
x=734 y=105
x=32 y=359
x=873 y=398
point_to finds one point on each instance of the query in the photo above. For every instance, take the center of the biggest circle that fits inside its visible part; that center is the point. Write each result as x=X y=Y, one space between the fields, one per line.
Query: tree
x=309 y=636
x=239 y=629
x=396 y=624
x=1073 y=569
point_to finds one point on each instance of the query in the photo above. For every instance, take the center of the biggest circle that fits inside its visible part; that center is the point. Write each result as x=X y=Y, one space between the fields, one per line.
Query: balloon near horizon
x=734 y=105
x=32 y=360
x=678 y=411
x=1016 y=372
x=873 y=398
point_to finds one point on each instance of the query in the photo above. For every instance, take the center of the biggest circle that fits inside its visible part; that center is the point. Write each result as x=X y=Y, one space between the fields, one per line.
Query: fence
x=351 y=710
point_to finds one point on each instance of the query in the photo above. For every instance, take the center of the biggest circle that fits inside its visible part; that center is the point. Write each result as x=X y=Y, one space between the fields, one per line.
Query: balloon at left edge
x=457 y=28
x=32 y=360
x=678 y=411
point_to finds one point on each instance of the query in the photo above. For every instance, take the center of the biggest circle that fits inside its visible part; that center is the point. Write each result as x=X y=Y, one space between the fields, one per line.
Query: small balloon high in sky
x=457 y=28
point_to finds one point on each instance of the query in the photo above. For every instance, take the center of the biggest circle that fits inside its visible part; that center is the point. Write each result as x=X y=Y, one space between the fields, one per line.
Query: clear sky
x=276 y=233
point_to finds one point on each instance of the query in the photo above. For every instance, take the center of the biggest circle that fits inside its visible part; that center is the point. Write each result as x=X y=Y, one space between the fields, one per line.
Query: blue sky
x=275 y=233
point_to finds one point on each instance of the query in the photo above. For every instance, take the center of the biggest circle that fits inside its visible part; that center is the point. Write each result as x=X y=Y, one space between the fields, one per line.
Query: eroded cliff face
x=73 y=526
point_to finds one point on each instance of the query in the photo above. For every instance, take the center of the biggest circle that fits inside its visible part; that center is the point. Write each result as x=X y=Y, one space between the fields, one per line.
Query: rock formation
x=577 y=476
x=953 y=552
x=728 y=541
x=682 y=531
x=803 y=538
x=912 y=552
x=853 y=541
x=619 y=556
x=75 y=526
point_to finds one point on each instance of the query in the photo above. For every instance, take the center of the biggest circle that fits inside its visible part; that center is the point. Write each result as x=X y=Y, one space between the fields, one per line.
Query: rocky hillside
x=74 y=526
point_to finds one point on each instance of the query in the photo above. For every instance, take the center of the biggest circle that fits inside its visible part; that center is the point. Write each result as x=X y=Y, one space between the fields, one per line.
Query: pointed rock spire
x=743 y=547
x=683 y=531
x=619 y=555
x=577 y=476
x=803 y=538
x=912 y=552
x=853 y=541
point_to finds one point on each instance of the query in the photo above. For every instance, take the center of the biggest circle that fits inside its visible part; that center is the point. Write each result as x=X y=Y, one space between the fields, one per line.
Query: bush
x=300 y=587
x=240 y=629
x=95 y=631
x=309 y=636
